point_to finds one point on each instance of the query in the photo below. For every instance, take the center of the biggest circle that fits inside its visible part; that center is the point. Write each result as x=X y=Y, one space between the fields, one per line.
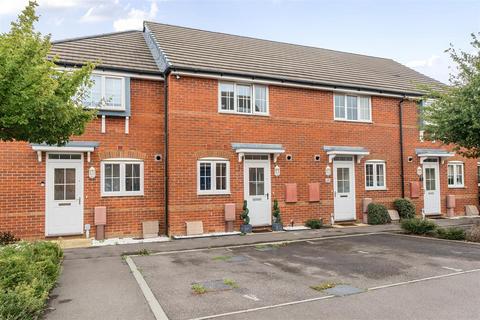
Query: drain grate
x=214 y=285
x=342 y=290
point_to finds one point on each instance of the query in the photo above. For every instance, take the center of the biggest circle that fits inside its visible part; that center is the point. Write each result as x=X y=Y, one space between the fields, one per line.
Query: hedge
x=378 y=214
x=418 y=226
x=28 y=272
x=405 y=208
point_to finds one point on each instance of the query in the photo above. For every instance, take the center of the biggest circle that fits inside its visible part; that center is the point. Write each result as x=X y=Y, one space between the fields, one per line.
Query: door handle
x=268 y=195
x=79 y=200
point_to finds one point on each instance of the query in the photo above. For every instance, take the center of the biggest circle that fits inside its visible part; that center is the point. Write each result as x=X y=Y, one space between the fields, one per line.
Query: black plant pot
x=245 y=228
x=277 y=226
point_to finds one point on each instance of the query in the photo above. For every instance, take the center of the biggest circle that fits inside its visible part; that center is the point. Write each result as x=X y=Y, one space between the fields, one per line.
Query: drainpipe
x=400 y=118
x=165 y=124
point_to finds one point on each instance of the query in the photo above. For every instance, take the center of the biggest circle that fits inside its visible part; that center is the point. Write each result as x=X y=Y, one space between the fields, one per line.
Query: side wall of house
x=302 y=121
x=22 y=194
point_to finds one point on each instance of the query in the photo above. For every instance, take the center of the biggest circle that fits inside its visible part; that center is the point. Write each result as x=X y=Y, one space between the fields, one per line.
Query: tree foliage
x=38 y=102
x=453 y=117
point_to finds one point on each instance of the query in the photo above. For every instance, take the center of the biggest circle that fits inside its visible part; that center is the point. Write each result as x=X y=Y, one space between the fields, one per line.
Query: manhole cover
x=237 y=259
x=214 y=285
x=343 y=290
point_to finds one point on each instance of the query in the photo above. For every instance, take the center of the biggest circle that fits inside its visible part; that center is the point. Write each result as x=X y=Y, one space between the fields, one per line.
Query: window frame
x=102 y=105
x=213 y=162
x=235 y=99
x=345 y=95
x=455 y=165
x=123 y=192
x=375 y=163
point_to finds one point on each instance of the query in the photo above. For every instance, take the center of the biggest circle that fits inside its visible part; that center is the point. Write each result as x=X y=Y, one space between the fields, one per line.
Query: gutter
x=400 y=119
x=291 y=83
x=165 y=123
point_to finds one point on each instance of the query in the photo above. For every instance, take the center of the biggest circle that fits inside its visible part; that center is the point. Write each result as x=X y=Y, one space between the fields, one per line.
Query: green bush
x=474 y=233
x=418 y=226
x=378 y=214
x=405 y=208
x=28 y=273
x=451 y=233
x=6 y=237
x=314 y=223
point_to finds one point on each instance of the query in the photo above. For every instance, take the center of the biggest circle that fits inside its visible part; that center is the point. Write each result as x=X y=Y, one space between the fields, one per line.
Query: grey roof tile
x=213 y=51
x=125 y=50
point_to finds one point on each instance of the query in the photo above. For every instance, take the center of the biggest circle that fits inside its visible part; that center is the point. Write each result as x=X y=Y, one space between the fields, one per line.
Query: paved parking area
x=255 y=281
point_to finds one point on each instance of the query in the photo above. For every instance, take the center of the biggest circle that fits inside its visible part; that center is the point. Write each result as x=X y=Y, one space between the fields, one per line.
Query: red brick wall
x=22 y=198
x=302 y=121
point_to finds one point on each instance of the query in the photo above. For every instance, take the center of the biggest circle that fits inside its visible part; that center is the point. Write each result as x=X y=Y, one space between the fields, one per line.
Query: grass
x=144 y=252
x=273 y=245
x=231 y=283
x=324 y=286
x=221 y=258
x=198 y=288
x=29 y=270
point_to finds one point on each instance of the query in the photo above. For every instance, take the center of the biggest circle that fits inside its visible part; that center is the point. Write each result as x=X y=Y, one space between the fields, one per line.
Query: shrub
x=405 y=208
x=28 y=273
x=7 y=238
x=378 y=214
x=451 y=233
x=277 y=218
x=314 y=223
x=474 y=233
x=244 y=214
x=418 y=226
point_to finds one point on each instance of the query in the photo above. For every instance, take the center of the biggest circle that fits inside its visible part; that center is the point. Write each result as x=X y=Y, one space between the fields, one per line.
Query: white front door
x=431 y=187
x=64 y=194
x=344 y=190
x=257 y=191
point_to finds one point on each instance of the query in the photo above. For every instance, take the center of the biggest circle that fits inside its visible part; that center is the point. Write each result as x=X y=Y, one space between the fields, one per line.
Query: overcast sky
x=415 y=33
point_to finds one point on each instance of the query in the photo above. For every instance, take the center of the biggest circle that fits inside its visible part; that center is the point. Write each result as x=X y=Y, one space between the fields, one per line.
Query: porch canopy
x=433 y=153
x=257 y=148
x=333 y=151
x=72 y=146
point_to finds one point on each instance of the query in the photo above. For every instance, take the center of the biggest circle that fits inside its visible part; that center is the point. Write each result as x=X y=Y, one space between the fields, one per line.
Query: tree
x=38 y=102
x=453 y=117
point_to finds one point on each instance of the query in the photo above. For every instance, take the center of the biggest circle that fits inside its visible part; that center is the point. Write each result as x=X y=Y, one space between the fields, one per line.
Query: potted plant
x=245 y=227
x=277 y=219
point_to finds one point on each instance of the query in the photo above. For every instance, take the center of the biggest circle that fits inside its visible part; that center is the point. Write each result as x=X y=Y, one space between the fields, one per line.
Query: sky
x=415 y=33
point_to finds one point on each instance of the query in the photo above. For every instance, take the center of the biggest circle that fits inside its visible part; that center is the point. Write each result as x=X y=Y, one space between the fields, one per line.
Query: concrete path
x=97 y=283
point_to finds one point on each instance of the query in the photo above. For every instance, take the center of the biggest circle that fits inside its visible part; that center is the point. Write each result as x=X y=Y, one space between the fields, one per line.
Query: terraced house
x=195 y=122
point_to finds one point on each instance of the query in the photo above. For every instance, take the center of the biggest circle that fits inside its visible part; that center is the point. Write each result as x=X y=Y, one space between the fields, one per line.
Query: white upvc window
x=213 y=176
x=242 y=98
x=106 y=93
x=352 y=108
x=122 y=177
x=455 y=175
x=375 y=175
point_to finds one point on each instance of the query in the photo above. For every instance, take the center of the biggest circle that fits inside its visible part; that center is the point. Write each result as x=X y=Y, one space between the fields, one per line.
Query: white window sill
x=457 y=187
x=107 y=195
x=244 y=113
x=376 y=189
x=354 y=121
x=213 y=193
x=106 y=108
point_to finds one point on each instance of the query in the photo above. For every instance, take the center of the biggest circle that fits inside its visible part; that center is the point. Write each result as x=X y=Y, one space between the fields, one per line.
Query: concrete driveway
x=376 y=273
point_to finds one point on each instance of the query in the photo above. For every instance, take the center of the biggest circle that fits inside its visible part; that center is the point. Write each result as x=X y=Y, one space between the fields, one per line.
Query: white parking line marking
x=364 y=252
x=147 y=293
x=268 y=264
x=423 y=279
x=251 y=297
x=310 y=242
x=332 y=296
x=263 y=308
x=452 y=269
x=263 y=243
